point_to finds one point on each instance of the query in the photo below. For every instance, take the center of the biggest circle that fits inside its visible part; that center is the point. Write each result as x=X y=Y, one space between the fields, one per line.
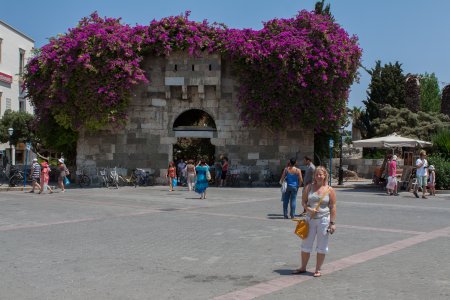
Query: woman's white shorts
x=317 y=227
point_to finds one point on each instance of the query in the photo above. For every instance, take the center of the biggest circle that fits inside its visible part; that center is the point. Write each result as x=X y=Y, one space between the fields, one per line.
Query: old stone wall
x=177 y=84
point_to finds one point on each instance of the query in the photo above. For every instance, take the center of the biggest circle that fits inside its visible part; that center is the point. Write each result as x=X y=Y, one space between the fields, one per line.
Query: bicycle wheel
x=3 y=179
x=15 y=180
x=84 y=181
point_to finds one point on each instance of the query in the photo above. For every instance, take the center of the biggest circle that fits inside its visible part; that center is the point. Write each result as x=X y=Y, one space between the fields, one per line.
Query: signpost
x=331 y=145
x=25 y=166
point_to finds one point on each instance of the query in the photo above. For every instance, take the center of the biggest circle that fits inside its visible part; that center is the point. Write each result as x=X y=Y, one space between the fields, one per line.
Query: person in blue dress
x=202 y=182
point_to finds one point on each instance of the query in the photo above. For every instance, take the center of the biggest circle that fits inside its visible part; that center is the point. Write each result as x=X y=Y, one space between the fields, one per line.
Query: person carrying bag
x=302 y=228
x=319 y=201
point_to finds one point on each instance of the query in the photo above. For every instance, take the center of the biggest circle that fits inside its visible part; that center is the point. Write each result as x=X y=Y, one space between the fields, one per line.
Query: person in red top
x=392 y=172
x=171 y=174
x=45 y=170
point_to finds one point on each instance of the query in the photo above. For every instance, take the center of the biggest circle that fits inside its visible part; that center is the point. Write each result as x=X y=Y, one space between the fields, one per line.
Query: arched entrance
x=194 y=129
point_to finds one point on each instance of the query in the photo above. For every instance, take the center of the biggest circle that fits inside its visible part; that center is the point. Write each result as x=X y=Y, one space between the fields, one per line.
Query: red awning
x=6 y=78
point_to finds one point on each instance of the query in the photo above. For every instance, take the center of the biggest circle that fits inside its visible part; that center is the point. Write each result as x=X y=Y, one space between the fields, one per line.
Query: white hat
x=34 y=159
x=61 y=160
x=394 y=157
x=431 y=168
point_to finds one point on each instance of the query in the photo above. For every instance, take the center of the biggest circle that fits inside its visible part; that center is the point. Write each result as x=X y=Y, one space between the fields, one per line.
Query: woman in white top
x=190 y=170
x=321 y=219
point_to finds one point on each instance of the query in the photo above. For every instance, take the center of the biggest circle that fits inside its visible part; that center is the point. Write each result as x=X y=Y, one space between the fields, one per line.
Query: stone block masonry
x=180 y=83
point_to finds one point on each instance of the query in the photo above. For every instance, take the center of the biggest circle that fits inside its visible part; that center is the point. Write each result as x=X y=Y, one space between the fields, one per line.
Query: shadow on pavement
x=275 y=216
x=285 y=272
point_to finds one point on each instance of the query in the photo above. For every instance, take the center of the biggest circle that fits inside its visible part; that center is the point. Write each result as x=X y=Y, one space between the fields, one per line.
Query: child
x=432 y=180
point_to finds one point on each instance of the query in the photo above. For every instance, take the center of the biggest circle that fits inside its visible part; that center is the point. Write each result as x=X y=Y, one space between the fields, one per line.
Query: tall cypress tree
x=430 y=93
x=387 y=86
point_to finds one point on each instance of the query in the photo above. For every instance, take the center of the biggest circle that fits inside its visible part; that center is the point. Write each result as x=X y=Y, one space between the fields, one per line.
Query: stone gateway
x=190 y=100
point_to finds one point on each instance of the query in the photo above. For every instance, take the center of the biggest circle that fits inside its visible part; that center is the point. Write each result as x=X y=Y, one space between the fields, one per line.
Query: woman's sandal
x=317 y=274
x=298 y=271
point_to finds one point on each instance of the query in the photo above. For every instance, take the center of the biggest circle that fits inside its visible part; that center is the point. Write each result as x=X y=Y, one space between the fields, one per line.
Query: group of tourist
x=425 y=176
x=196 y=176
x=40 y=175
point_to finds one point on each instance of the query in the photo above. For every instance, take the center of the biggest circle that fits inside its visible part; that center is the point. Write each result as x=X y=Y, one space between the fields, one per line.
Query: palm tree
x=358 y=127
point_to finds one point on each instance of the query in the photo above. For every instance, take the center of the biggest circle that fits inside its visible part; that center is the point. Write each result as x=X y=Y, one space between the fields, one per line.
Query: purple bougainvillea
x=293 y=71
x=84 y=78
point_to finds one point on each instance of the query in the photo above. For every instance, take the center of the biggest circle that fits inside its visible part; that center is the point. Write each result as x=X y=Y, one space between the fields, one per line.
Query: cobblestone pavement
x=148 y=243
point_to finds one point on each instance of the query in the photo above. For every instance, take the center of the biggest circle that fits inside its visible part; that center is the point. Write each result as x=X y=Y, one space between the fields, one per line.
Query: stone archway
x=194 y=129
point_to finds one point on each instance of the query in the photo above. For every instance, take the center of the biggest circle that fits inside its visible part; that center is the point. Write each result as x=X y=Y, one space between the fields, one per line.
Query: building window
x=21 y=61
x=8 y=103
x=1 y=40
x=22 y=104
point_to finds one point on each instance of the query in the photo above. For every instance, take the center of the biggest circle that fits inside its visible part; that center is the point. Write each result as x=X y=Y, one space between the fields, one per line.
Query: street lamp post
x=341 y=171
x=10 y=132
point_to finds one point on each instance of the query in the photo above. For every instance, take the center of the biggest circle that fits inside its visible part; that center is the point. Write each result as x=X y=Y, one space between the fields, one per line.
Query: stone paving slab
x=148 y=243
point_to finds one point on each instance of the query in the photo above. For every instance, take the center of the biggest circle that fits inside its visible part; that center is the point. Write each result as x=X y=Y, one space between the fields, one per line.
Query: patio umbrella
x=391 y=141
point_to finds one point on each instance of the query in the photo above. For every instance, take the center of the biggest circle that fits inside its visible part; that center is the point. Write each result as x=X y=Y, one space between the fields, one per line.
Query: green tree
x=21 y=122
x=387 y=86
x=441 y=142
x=430 y=94
x=53 y=137
x=406 y=123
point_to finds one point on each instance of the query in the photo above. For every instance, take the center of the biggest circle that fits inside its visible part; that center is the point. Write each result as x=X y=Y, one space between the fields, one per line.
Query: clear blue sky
x=414 y=32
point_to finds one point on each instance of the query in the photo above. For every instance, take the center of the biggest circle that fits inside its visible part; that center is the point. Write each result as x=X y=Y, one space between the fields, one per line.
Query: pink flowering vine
x=293 y=71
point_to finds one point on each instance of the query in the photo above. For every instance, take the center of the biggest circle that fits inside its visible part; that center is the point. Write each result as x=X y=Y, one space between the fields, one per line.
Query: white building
x=15 y=50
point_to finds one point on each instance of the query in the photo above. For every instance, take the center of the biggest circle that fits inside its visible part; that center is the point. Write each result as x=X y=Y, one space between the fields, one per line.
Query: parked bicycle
x=83 y=179
x=233 y=178
x=250 y=175
x=142 y=177
x=269 y=178
x=109 y=178
x=16 y=177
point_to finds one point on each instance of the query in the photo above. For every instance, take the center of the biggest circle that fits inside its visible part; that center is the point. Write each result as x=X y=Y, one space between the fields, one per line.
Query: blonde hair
x=422 y=152
x=324 y=170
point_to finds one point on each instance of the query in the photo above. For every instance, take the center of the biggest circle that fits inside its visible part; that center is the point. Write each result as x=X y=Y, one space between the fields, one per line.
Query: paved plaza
x=148 y=243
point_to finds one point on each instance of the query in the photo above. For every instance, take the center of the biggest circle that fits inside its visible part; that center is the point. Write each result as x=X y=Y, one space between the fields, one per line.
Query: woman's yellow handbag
x=302 y=228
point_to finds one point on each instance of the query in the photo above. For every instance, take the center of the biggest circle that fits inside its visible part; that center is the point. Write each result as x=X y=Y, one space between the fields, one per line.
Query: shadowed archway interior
x=190 y=143
x=194 y=118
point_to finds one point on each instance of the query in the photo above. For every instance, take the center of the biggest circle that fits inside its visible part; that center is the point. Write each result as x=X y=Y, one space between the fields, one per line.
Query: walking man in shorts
x=35 y=175
x=421 y=174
